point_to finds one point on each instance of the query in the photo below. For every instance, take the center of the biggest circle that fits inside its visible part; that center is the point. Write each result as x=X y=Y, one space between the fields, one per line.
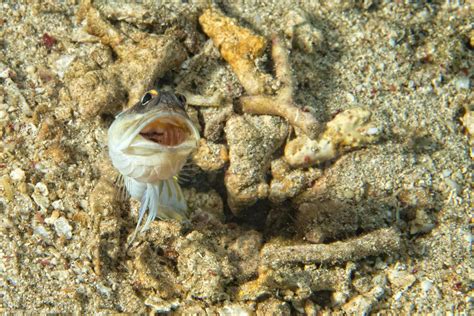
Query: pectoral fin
x=164 y=200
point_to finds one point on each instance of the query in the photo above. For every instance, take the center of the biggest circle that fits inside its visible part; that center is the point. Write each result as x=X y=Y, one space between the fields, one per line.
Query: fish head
x=152 y=140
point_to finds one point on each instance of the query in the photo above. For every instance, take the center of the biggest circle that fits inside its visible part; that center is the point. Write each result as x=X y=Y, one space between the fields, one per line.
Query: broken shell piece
x=238 y=46
x=349 y=129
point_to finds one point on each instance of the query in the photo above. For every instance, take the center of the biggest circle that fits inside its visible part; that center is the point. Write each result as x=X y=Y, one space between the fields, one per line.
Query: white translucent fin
x=164 y=200
x=153 y=192
x=135 y=189
x=122 y=193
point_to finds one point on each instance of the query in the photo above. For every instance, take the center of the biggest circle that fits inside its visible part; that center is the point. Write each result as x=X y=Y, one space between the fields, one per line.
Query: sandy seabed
x=385 y=227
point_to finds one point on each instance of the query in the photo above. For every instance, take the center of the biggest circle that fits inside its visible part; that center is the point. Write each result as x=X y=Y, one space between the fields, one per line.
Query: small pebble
x=462 y=83
x=41 y=188
x=401 y=279
x=398 y=295
x=62 y=64
x=392 y=41
x=373 y=131
x=446 y=173
x=339 y=298
x=58 y=205
x=62 y=227
x=42 y=232
x=41 y=200
x=30 y=69
x=350 y=98
x=453 y=185
x=51 y=219
x=380 y=264
x=426 y=285
x=48 y=40
x=17 y=174
x=349 y=194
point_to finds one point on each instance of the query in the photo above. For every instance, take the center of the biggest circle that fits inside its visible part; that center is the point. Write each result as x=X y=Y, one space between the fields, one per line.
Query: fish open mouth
x=167 y=131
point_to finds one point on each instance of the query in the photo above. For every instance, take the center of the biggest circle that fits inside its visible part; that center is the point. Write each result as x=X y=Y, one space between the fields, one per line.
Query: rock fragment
x=302 y=281
x=287 y=183
x=14 y=96
x=215 y=119
x=252 y=141
x=139 y=63
x=385 y=240
x=210 y=156
x=95 y=92
x=204 y=269
x=17 y=174
x=400 y=279
x=319 y=221
x=273 y=306
x=364 y=303
x=208 y=202
x=105 y=241
x=244 y=254
x=154 y=271
x=62 y=227
x=159 y=305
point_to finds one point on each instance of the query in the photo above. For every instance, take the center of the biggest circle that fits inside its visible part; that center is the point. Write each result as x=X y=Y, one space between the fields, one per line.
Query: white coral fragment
x=349 y=129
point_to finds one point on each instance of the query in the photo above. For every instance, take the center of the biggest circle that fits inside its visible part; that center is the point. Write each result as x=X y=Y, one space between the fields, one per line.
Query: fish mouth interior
x=166 y=131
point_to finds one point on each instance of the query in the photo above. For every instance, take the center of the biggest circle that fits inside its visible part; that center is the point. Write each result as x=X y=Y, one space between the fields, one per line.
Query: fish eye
x=181 y=99
x=146 y=98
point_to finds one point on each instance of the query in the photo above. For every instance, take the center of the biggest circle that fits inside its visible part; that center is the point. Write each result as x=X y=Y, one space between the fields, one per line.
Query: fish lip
x=144 y=122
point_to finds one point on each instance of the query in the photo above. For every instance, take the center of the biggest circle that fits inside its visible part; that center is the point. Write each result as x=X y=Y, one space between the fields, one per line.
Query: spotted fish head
x=152 y=140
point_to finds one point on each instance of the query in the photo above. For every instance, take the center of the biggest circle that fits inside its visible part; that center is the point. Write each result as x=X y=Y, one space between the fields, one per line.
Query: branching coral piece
x=385 y=240
x=282 y=104
x=349 y=129
x=238 y=46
